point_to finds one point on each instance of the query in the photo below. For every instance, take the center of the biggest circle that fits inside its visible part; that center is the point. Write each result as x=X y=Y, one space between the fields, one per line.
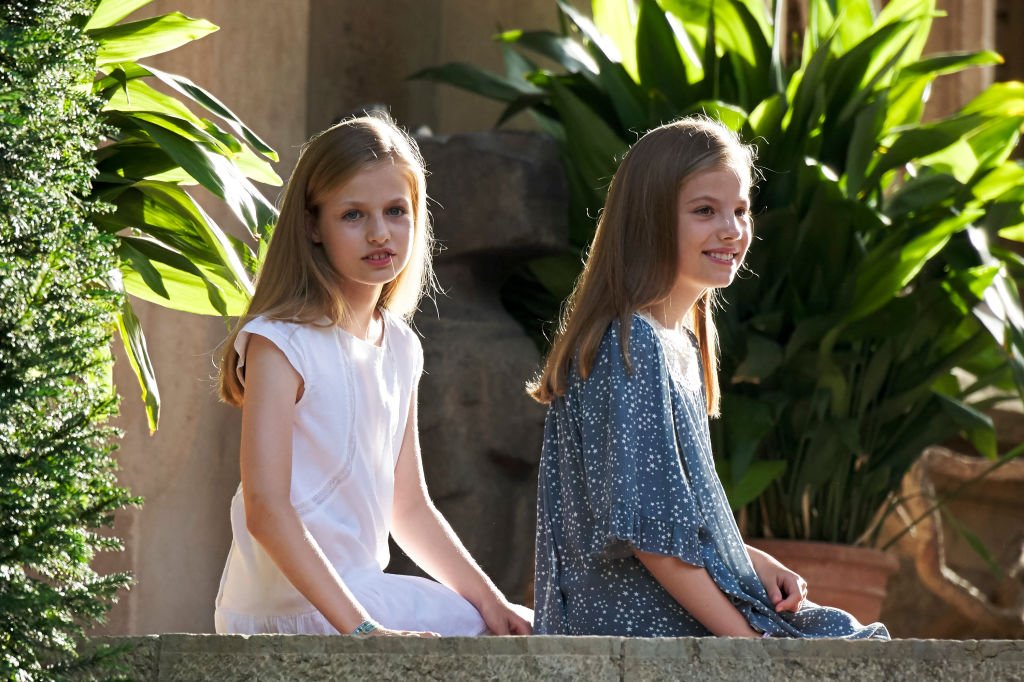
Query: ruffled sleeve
x=637 y=492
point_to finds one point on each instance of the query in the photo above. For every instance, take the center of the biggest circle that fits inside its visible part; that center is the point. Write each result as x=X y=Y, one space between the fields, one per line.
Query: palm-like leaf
x=172 y=252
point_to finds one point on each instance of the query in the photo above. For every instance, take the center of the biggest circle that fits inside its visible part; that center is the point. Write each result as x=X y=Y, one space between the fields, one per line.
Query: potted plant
x=880 y=313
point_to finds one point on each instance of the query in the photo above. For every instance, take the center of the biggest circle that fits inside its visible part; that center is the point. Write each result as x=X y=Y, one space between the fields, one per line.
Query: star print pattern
x=627 y=464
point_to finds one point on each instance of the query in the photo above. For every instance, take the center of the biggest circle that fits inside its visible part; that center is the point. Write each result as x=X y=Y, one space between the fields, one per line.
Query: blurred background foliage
x=880 y=312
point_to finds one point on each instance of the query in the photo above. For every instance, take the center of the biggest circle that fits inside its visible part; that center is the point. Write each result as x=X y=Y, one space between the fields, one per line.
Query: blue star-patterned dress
x=627 y=465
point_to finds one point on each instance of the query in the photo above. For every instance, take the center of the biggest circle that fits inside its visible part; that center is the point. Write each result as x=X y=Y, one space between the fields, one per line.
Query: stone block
x=501 y=190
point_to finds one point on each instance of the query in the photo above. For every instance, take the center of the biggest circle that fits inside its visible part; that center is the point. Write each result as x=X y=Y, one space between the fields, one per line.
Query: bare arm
x=696 y=592
x=424 y=534
x=271 y=391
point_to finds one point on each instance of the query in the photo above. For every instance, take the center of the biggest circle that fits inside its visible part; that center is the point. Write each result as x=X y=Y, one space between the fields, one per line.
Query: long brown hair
x=296 y=282
x=633 y=261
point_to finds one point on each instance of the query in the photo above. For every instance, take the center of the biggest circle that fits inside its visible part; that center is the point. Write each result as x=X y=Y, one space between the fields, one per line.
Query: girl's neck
x=362 y=318
x=673 y=312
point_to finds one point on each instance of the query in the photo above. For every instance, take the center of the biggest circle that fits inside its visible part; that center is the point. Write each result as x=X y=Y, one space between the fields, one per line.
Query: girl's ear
x=312 y=228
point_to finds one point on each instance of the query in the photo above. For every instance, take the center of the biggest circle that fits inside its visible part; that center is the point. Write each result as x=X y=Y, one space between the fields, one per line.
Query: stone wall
x=196 y=658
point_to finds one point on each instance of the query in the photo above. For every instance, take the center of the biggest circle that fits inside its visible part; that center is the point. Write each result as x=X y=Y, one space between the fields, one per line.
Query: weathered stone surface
x=223 y=658
x=480 y=433
x=496 y=190
x=793 y=660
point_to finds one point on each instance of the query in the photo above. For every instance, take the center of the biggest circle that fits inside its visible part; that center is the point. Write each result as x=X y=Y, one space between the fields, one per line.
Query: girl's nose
x=732 y=228
x=377 y=230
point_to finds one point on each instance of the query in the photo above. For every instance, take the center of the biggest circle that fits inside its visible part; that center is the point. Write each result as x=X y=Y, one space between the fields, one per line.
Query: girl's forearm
x=424 y=534
x=281 y=532
x=696 y=592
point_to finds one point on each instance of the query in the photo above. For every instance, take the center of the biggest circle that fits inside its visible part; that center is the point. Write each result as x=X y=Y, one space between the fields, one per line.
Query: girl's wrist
x=365 y=628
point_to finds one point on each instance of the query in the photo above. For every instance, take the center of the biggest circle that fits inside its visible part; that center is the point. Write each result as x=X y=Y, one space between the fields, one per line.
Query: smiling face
x=713 y=231
x=365 y=227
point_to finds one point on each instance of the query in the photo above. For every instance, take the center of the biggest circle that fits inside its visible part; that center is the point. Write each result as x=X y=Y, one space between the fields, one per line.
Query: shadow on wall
x=497 y=199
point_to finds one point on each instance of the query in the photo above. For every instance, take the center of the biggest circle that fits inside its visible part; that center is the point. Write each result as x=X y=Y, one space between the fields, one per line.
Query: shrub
x=55 y=328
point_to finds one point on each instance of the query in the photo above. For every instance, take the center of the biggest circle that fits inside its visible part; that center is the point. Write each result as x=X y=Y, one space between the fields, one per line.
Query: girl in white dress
x=325 y=370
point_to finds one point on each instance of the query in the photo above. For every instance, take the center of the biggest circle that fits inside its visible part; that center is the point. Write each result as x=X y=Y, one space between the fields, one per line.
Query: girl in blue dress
x=634 y=533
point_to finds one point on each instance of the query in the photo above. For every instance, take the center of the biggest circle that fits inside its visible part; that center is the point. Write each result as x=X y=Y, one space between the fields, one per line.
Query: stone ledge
x=172 y=657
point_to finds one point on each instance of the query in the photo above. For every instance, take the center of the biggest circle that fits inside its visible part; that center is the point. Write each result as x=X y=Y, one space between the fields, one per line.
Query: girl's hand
x=502 y=619
x=785 y=588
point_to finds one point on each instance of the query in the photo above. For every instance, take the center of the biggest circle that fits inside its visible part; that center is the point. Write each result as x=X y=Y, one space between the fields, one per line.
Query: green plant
x=171 y=251
x=881 y=312
x=58 y=484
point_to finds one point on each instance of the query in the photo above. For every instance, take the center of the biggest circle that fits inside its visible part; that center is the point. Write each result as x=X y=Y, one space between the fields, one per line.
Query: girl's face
x=366 y=227
x=714 y=231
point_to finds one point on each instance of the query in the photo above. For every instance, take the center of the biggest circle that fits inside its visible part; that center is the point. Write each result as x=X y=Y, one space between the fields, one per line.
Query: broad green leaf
x=889 y=267
x=919 y=141
x=137 y=95
x=591 y=145
x=564 y=51
x=147 y=37
x=754 y=481
x=907 y=98
x=731 y=116
x=626 y=96
x=763 y=357
x=1014 y=233
x=134 y=160
x=658 y=56
x=855 y=20
x=189 y=288
x=214 y=105
x=485 y=83
x=1000 y=180
x=920 y=11
x=922 y=193
x=952 y=62
x=615 y=19
x=766 y=120
x=998 y=99
x=172 y=216
x=138 y=357
x=745 y=421
x=742 y=27
x=866 y=128
x=213 y=171
x=109 y=12
x=977 y=426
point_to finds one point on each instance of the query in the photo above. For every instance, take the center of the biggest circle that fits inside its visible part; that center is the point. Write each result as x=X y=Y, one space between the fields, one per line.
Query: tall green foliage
x=57 y=484
x=154 y=147
x=882 y=312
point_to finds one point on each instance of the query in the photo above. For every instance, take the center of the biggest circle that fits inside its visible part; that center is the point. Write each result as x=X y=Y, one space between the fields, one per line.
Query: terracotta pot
x=850 y=578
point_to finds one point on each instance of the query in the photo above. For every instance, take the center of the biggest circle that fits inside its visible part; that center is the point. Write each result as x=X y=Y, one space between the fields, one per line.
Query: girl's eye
x=704 y=210
x=396 y=211
x=350 y=215
x=742 y=213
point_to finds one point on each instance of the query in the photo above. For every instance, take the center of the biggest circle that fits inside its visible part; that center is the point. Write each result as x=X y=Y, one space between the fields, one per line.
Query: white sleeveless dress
x=348 y=432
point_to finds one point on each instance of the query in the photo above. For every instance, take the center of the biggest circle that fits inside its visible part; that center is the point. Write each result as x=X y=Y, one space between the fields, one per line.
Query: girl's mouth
x=723 y=257
x=380 y=258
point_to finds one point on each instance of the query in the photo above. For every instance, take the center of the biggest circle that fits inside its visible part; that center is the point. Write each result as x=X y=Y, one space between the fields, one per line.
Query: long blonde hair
x=296 y=282
x=633 y=261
